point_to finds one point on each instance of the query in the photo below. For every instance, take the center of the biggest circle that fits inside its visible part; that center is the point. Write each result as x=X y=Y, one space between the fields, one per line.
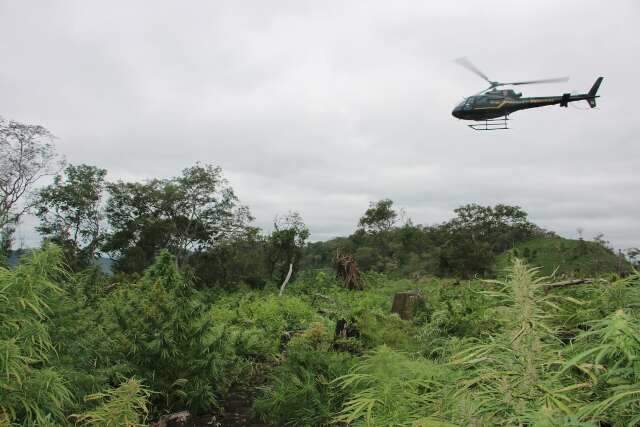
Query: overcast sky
x=321 y=107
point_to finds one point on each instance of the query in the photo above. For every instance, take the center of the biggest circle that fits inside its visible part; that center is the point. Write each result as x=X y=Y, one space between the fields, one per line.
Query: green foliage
x=267 y=317
x=161 y=332
x=388 y=388
x=300 y=390
x=522 y=350
x=190 y=213
x=285 y=245
x=125 y=406
x=478 y=233
x=609 y=357
x=382 y=328
x=70 y=213
x=566 y=257
x=86 y=352
x=232 y=263
x=379 y=217
x=6 y=241
x=507 y=352
x=463 y=246
x=32 y=391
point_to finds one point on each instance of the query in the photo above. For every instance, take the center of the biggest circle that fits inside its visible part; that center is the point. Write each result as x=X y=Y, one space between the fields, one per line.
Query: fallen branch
x=568 y=283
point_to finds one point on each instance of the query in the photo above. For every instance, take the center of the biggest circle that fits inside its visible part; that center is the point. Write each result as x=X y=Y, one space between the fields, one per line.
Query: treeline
x=464 y=246
x=195 y=216
x=198 y=218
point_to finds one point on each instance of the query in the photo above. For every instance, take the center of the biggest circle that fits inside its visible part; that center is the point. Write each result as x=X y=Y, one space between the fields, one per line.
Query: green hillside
x=571 y=257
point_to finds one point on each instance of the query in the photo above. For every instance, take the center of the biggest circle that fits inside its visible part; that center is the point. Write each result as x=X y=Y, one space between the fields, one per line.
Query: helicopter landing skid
x=492 y=124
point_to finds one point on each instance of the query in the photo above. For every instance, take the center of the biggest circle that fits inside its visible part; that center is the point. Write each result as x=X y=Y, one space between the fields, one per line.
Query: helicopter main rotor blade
x=530 y=82
x=464 y=62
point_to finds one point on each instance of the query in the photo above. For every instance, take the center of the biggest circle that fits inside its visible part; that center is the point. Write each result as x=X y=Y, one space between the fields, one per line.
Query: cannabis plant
x=300 y=390
x=124 y=406
x=608 y=359
x=389 y=388
x=31 y=391
x=508 y=376
x=163 y=333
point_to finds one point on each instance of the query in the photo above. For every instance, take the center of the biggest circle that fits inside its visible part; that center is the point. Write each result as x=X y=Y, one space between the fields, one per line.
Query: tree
x=500 y=226
x=26 y=155
x=239 y=260
x=379 y=217
x=70 y=212
x=634 y=256
x=187 y=214
x=599 y=239
x=286 y=244
x=472 y=239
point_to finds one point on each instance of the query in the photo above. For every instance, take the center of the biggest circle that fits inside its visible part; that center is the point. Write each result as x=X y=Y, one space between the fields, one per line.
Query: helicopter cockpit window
x=468 y=103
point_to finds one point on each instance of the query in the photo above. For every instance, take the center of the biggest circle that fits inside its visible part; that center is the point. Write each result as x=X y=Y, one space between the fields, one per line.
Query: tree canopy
x=26 y=155
x=186 y=214
x=70 y=212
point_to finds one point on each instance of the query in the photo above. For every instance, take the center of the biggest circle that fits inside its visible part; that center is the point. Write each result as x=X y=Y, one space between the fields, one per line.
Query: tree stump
x=406 y=303
x=179 y=419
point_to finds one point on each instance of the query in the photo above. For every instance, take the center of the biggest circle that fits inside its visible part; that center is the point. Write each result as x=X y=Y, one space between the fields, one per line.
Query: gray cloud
x=322 y=107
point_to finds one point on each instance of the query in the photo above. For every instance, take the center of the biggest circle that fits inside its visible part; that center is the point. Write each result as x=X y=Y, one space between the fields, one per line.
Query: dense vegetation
x=565 y=257
x=193 y=311
x=77 y=348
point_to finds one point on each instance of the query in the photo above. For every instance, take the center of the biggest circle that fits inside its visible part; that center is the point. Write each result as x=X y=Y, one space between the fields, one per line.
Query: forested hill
x=478 y=240
x=566 y=257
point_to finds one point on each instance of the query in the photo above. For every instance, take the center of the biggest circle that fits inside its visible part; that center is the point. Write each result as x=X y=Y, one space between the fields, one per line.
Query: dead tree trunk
x=406 y=303
x=347 y=270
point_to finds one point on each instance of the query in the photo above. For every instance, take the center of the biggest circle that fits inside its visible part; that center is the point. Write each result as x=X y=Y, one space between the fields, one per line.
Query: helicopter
x=492 y=106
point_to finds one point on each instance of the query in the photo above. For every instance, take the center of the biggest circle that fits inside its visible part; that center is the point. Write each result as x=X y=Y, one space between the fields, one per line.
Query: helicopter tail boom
x=590 y=97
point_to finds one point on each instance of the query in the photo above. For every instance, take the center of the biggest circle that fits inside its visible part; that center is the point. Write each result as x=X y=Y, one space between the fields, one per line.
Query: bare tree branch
x=26 y=156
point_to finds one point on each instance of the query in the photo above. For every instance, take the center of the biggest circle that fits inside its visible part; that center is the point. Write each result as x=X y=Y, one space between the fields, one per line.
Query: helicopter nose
x=457 y=113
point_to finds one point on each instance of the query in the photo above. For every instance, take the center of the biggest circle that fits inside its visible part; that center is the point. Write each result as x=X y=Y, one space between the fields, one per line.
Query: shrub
x=160 y=330
x=300 y=390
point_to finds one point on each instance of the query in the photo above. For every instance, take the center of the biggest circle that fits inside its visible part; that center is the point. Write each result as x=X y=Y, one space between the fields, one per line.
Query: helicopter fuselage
x=501 y=103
